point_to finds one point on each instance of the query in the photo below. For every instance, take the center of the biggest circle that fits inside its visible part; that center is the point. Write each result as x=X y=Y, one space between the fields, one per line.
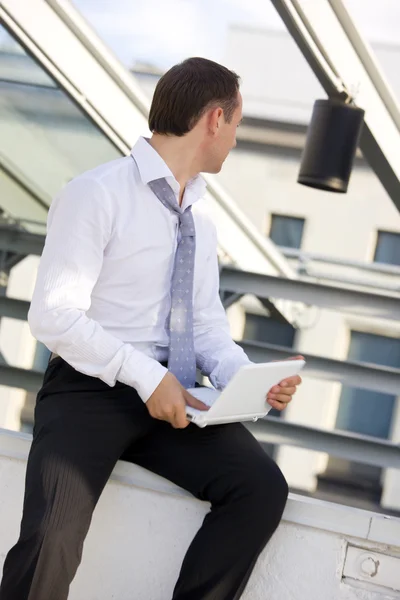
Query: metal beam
x=17 y=202
x=230 y=298
x=20 y=178
x=351 y=446
x=340 y=279
x=20 y=242
x=373 y=267
x=272 y=430
x=365 y=376
x=340 y=59
x=20 y=378
x=9 y=260
x=334 y=298
x=273 y=312
x=13 y=308
x=367 y=57
x=360 y=375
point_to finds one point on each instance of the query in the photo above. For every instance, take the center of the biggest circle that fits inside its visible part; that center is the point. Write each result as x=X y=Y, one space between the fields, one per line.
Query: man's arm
x=79 y=228
x=217 y=355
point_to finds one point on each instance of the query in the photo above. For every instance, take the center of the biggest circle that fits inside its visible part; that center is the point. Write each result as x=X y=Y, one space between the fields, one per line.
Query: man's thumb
x=194 y=403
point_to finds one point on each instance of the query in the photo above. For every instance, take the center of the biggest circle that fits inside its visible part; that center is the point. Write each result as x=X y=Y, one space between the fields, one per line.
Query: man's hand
x=280 y=395
x=168 y=402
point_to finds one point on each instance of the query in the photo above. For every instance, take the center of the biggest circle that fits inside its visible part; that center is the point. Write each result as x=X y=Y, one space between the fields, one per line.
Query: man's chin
x=214 y=169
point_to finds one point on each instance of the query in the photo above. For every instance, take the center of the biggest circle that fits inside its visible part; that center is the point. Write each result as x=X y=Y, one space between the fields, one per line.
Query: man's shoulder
x=202 y=215
x=205 y=225
x=106 y=174
x=101 y=185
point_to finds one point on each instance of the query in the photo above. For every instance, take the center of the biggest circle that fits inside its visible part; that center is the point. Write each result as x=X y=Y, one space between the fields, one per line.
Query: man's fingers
x=288 y=391
x=280 y=395
x=283 y=398
x=291 y=381
x=277 y=405
x=179 y=420
x=288 y=386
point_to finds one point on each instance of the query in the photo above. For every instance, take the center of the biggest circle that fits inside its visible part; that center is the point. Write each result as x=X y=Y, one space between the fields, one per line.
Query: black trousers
x=82 y=428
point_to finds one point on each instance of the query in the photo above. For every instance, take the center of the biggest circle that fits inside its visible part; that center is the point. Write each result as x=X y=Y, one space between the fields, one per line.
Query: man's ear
x=215 y=118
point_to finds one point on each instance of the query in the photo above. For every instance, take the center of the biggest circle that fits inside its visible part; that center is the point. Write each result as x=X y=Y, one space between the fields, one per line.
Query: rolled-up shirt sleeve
x=217 y=355
x=80 y=225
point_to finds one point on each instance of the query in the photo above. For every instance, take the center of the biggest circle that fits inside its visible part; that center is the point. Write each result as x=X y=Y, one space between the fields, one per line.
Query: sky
x=163 y=32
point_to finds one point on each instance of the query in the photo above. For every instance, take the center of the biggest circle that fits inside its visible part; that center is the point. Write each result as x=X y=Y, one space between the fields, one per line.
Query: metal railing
x=364 y=449
x=383 y=277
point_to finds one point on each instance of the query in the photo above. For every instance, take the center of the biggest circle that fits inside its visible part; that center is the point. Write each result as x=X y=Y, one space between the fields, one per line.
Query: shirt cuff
x=142 y=373
x=226 y=370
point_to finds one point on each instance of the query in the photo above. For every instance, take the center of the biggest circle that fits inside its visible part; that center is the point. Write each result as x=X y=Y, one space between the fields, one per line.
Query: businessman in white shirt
x=127 y=300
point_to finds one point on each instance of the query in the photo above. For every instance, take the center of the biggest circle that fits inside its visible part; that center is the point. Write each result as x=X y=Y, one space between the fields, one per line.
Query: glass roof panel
x=45 y=139
x=379 y=24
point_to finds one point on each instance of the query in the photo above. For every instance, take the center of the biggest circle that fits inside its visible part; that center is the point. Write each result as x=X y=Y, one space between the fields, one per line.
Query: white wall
x=340 y=225
x=143 y=526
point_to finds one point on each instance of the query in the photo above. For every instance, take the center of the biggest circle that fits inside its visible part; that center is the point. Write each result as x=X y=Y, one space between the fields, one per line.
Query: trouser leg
x=226 y=466
x=81 y=428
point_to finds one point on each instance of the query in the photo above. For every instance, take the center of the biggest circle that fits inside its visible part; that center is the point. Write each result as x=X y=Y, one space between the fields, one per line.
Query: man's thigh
x=205 y=461
x=82 y=426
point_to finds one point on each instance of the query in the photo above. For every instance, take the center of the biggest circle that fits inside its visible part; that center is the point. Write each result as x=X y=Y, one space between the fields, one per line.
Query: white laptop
x=244 y=398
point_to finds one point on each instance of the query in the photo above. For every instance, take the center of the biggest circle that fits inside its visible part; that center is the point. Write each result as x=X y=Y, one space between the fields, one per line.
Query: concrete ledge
x=143 y=525
x=300 y=510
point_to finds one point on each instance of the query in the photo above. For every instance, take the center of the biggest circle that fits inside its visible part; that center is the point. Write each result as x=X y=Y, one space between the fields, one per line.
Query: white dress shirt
x=102 y=295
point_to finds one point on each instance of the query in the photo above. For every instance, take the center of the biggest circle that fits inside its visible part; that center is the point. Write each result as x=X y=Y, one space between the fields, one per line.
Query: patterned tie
x=182 y=359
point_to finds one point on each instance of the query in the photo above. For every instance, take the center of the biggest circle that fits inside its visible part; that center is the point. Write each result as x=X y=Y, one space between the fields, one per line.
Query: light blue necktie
x=182 y=358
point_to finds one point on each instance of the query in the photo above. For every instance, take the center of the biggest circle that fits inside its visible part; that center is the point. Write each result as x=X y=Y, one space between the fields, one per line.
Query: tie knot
x=166 y=195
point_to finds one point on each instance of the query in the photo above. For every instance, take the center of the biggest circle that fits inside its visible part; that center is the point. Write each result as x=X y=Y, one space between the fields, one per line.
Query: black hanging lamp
x=331 y=144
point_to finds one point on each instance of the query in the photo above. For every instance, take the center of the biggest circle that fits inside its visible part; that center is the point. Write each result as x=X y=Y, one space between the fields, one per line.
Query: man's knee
x=265 y=491
x=55 y=523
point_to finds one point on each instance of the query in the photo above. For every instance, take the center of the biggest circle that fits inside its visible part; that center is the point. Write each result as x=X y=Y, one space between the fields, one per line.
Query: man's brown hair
x=187 y=90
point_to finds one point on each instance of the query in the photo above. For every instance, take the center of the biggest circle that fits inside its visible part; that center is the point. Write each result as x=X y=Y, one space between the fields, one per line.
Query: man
x=127 y=300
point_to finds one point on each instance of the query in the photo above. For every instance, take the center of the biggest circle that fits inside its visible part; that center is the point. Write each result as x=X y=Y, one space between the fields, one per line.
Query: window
x=388 y=248
x=286 y=231
x=365 y=412
x=259 y=328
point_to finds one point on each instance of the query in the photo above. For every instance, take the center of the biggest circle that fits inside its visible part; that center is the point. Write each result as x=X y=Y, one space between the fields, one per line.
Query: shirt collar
x=151 y=166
